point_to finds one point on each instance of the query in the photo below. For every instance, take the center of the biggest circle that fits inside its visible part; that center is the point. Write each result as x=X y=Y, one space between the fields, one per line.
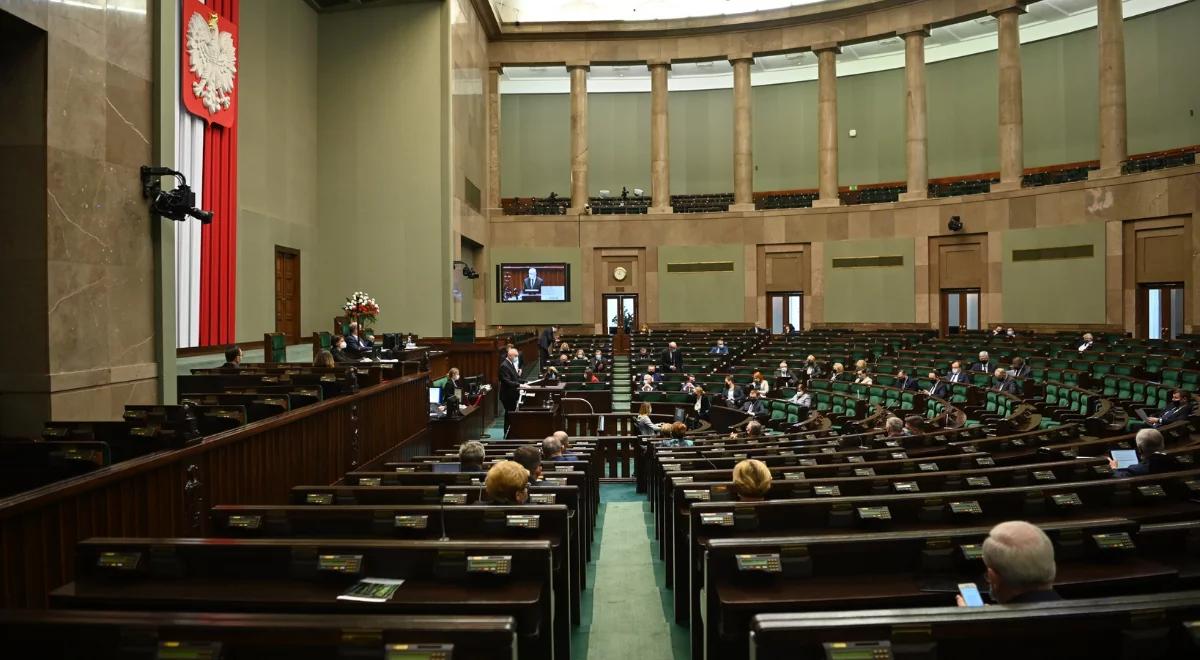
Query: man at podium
x=532 y=286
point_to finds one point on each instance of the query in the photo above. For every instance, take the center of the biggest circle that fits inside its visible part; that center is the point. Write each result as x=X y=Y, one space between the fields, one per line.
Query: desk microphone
x=442 y=515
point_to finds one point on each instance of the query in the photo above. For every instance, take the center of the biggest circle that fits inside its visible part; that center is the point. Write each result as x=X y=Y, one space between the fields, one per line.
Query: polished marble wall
x=98 y=316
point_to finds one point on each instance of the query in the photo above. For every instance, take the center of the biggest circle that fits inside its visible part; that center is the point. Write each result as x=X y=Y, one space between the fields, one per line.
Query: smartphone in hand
x=970 y=594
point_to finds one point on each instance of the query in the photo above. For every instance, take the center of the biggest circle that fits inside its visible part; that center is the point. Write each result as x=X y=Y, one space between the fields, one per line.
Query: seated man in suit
x=754 y=405
x=672 y=359
x=1148 y=442
x=233 y=358
x=784 y=376
x=1019 y=368
x=812 y=368
x=937 y=388
x=648 y=384
x=984 y=365
x=359 y=346
x=507 y=483
x=1020 y=564
x=732 y=393
x=904 y=382
x=1002 y=383
x=1087 y=342
x=957 y=375
x=998 y=331
x=530 y=458
x=1178 y=408
x=894 y=427
x=719 y=349
x=598 y=362
x=470 y=456
x=652 y=372
x=689 y=385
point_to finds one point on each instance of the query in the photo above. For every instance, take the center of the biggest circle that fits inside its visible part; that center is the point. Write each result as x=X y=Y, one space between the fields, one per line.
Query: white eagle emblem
x=213 y=60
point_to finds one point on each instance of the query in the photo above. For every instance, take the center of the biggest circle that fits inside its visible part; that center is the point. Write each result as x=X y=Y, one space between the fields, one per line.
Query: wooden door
x=618 y=306
x=960 y=311
x=287 y=293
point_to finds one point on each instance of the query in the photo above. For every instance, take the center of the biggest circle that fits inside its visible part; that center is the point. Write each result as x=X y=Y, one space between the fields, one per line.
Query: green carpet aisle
x=626 y=612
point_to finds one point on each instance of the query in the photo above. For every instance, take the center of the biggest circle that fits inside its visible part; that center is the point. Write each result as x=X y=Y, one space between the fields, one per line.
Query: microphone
x=442 y=515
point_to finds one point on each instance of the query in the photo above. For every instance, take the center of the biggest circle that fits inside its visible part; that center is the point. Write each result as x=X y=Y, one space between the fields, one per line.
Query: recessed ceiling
x=543 y=11
x=1045 y=19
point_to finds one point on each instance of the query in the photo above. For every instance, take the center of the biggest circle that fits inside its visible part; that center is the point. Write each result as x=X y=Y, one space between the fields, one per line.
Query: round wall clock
x=619 y=273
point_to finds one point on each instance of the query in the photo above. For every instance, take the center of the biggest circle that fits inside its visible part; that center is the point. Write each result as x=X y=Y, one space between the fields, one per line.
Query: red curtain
x=218 y=240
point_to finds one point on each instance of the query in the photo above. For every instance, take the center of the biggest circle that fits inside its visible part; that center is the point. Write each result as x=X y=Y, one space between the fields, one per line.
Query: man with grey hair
x=510 y=386
x=551 y=448
x=470 y=456
x=754 y=428
x=565 y=441
x=1148 y=442
x=984 y=364
x=1020 y=564
x=894 y=426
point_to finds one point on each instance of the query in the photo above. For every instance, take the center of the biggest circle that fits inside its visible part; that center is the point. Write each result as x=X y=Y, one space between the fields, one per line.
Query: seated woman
x=550 y=377
x=802 y=397
x=863 y=378
x=838 y=372
x=324 y=359
x=507 y=483
x=644 y=425
x=678 y=435
x=759 y=383
x=579 y=354
x=811 y=368
x=338 y=348
x=590 y=377
x=702 y=404
x=751 y=480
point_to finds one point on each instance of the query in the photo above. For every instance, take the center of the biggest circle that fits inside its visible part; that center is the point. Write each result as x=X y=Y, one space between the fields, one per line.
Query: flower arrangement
x=361 y=307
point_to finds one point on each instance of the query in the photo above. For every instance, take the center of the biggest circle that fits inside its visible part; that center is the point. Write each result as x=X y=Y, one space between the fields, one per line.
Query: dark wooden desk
x=451 y=432
x=534 y=423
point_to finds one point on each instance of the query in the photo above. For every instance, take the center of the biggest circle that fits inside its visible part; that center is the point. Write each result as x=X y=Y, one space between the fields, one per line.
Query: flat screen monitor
x=533 y=282
x=435 y=395
x=447 y=467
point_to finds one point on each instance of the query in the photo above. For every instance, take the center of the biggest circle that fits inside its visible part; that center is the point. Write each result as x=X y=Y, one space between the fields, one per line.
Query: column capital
x=650 y=64
x=827 y=45
x=913 y=30
x=1005 y=6
x=579 y=64
x=740 y=57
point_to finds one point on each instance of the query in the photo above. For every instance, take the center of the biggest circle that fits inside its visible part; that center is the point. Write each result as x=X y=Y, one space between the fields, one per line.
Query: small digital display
x=122 y=561
x=1066 y=499
x=898 y=456
x=1192 y=485
x=723 y=519
x=1018 y=442
x=971 y=551
x=864 y=472
x=683 y=480
x=406 y=470
x=979 y=482
x=1101 y=469
x=891 y=443
x=966 y=508
x=319 y=498
x=697 y=495
x=927 y=467
x=340 y=563
x=906 y=487
x=671 y=467
x=413 y=521
x=454 y=498
x=985 y=461
x=554 y=481
x=190 y=650
x=1153 y=490
x=418 y=652
x=245 y=522
x=827 y=491
x=858 y=651
x=793 y=476
x=874 y=513
x=1043 y=475
x=492 y=564
x=1114 y=541
x=828 y=450
x=855 y=459
x=369 y=481
x=808 y=462
x=542 y=498
x=564 y=468
x=765 y=563
x=740 y=456
x=533 y=282
x=530 y=521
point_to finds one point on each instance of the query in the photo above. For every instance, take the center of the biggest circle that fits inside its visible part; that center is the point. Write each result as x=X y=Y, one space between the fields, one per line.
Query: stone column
x=660 y=156
x=743 y=157
x=579 y=138
x=493 y=140
x=827 y=127
x=1114 y=148
x=1012 y=149
x=916 y=146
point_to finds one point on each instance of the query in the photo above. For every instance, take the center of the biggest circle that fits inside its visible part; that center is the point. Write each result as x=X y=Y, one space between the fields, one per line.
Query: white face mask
x=954 y=370
x=342 y=346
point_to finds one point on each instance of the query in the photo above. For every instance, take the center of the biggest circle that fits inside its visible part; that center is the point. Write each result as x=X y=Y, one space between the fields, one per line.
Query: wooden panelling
x=1162 y=255
x=169 y=493
x=962 y=266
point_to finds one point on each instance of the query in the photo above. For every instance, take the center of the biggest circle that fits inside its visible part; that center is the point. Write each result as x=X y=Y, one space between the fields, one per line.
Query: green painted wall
x=1060 y=103
x=535 y=145
x=701 y=141
x=701 y=297
x=1058 y=290
x=383 y=185
x=618 y=142
x=539 y=313
x=1161 y=54
x=277 y=161
x=785 y=159
x=873 y=105
x=873 y=294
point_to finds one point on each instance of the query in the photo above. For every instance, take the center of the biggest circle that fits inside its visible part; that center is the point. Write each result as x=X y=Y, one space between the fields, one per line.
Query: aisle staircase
x=621 y=383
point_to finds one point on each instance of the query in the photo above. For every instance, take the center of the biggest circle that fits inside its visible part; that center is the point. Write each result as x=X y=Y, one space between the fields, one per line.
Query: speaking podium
x=531 y=294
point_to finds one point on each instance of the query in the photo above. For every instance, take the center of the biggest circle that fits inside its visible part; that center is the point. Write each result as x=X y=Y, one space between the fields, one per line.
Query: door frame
x=944 y=320
x=604 y=309
x=1141 y=316
x=770 y=314
x=279 y=249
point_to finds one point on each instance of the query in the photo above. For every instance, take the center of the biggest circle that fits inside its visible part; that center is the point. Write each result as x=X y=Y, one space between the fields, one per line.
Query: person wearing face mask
x=784 y=376
x=338 y=348
x=1002 y=383
x=1176 y=410
x=598 y=364
x=510 y=387
x=719 y=349
x=937 y=388
x=956 y=373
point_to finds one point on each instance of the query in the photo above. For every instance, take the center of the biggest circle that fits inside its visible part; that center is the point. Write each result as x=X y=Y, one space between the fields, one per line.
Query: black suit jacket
x=738 y=395
x=670 y=359
x=356 y=345
x=938 y=390
x=545 y=341
x=704 y=407
x=1019 y=373
x=986 y=367
x=1174 y=414
x=510 y=385
x=1005 y=385
x=342 y=356
x=534 y=284
x=960 y=377
x=907 y=383
x=451 y=385
x=754 y=407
